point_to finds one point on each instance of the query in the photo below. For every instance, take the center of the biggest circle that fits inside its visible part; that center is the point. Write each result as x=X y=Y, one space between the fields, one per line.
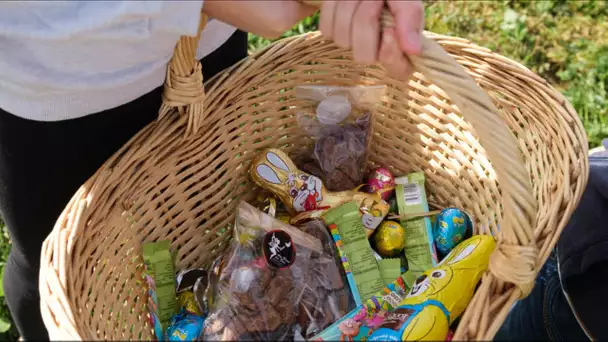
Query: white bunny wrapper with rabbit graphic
x=299 y=191
x=305 y=195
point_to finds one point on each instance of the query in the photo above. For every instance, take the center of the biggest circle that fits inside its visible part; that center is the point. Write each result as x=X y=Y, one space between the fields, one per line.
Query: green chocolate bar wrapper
x=419 y=243
x=356 y=249
x=160 y=276
x=390 y=269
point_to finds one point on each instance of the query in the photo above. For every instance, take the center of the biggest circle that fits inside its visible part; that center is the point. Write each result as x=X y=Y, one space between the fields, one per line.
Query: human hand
x=268 y=19
x=355 y=24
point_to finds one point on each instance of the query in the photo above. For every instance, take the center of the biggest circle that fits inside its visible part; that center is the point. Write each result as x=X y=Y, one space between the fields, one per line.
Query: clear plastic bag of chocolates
x=276 y=282
x=338 y=119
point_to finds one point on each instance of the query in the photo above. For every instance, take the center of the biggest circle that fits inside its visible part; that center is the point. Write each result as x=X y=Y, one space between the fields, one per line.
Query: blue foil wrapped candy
x=451 y=227
x=184 y=327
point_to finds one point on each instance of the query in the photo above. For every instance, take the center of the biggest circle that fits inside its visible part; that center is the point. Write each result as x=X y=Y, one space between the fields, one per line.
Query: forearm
x=269 y=19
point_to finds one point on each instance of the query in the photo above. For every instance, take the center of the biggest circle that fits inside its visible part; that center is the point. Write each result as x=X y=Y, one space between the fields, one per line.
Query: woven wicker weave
x=181 y=177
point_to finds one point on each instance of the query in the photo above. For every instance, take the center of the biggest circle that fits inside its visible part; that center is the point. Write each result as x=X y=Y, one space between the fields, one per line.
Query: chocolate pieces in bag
x=273 y=283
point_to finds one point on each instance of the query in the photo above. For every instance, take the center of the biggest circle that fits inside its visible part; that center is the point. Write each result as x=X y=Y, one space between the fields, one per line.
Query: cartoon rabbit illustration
x=309 y=195
x=275 y=246
x=277 y=173
x=440 y=294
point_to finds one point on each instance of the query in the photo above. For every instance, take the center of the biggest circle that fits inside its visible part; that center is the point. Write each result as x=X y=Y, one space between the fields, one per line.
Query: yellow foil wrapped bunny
x=439 y=295
x=305 y=195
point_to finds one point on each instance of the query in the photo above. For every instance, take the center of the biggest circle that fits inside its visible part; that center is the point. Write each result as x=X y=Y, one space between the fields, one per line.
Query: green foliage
x=565 y=42
x=308 y=24
x=7 y=330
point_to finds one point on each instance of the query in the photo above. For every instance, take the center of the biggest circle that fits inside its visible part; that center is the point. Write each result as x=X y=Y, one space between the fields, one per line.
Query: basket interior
x=162 y=187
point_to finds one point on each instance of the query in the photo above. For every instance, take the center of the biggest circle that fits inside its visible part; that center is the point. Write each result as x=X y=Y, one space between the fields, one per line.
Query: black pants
x=42 y=164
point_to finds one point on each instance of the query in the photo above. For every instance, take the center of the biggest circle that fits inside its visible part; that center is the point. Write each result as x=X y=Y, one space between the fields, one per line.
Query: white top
x=66 y=59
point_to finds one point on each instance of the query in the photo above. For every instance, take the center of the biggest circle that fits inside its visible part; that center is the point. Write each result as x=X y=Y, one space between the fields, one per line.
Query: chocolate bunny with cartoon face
x=440 y=295
x=300 y=192
x=305 y=195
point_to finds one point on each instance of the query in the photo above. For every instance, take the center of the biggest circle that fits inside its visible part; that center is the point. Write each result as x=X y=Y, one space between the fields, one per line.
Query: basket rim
x=52 y=275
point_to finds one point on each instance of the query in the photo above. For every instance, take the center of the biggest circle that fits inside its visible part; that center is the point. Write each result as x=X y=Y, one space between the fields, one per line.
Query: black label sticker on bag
x=278 y=249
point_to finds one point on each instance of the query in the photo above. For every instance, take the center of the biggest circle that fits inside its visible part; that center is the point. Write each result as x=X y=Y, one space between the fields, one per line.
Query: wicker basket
x=516 y=160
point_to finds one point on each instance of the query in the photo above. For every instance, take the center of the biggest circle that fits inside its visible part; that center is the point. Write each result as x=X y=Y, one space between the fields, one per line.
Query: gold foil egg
x=389 y=239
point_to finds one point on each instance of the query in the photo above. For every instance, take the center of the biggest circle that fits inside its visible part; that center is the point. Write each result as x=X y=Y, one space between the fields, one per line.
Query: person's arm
x=352 y=24
x=268 y=19
x=355 y=24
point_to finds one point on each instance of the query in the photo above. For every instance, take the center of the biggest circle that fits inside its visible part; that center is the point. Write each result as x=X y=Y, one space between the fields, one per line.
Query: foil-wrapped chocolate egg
x=381 y=178
x=389 y=239
x=187 y=302
x=451 y=227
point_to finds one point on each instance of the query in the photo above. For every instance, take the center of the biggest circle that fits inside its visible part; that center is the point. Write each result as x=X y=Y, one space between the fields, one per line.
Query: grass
x=565 y=42
x=7 y=329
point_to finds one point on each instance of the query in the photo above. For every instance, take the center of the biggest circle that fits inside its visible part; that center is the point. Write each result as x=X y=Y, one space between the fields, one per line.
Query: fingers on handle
x=326 y=21
x=392 y=57
x=343 y=23
x=408 y=17
x=366 y=31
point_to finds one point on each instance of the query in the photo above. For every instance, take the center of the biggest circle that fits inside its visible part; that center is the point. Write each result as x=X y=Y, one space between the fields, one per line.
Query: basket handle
x=516 y=255
x=183 y=87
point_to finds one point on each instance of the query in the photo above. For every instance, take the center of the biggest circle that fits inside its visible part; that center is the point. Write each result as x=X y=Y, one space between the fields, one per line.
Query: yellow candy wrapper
x=305 y=196
x=389 y=239
x=439 y=295
x=187 y=302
